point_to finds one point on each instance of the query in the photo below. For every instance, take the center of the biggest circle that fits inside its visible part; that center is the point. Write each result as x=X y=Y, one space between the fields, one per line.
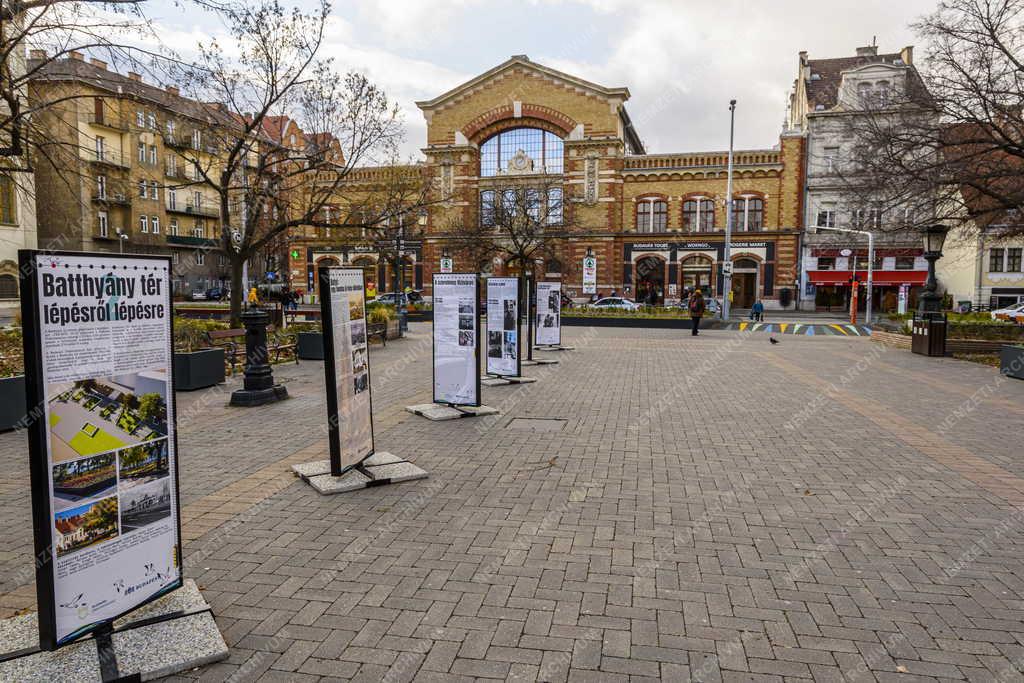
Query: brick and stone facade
x=607 y=178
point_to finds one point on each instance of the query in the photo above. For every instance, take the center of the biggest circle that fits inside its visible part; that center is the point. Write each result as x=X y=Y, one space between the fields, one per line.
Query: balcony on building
x=115 y=195
x=191 y=208
x=108 y=157
x=190 y=241
x=177 y=141
x=105 y=119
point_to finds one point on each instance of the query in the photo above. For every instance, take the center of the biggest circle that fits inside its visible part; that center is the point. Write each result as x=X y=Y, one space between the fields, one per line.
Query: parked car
x=616 y=302
x=217 y=294
x=1008 y=313
x=198 y=295
x=409 y=298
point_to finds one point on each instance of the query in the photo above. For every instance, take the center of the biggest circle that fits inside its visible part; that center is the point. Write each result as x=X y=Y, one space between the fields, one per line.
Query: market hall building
x=655 y=221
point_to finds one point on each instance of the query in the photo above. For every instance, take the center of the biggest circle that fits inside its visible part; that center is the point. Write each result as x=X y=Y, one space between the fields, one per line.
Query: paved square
x=710 y=509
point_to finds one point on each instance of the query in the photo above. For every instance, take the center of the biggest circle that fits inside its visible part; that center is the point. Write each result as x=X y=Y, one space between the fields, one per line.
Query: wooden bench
x=234 y=350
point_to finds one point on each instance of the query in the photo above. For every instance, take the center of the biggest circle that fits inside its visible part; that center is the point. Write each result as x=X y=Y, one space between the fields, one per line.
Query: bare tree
x=291 y=136
x=950 y=148
x=52 y=30
x=521 y=220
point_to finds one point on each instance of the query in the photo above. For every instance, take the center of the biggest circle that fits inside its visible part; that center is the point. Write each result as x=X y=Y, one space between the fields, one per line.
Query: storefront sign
x=347 y=367
x=503 y=326
x=446 y=265
x=103 y=446
x=549 y=313
x=456 y=339
x=590 y=275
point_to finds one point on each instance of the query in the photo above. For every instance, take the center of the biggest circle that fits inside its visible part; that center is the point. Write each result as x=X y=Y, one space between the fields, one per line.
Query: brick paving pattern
x=711 y=509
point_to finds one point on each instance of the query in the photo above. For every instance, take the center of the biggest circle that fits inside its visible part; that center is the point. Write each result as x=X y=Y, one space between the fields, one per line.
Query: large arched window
x=541 y=152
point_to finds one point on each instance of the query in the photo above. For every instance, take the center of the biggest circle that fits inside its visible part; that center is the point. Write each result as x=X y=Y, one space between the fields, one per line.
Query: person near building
x=253 y=299
x=696 y=307
x=757 y=311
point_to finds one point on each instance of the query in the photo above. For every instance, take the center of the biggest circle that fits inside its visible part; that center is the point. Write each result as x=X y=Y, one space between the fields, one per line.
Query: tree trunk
x=236 y=290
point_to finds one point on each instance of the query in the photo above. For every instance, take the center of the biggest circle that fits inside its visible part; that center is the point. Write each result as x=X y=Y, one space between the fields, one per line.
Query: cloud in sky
x=681 y=61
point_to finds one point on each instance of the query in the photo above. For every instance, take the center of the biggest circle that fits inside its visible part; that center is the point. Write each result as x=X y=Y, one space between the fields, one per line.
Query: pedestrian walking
x=696 y=306
x=757 y=311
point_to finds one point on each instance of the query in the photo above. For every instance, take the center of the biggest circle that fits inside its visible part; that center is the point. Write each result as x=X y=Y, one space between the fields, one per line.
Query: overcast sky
x=682 y=61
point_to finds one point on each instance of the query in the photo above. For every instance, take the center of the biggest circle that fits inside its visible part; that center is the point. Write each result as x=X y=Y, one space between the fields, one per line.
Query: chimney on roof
x=37 y=54
x=907 y=55
x=75 y=54
x=134 y=76
x=98 y=63
x=173 y=89
x=867 y=51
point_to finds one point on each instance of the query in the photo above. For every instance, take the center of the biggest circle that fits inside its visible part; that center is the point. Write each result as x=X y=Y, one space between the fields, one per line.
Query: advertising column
x=503 y=326
x=103 y=439
x=347 y=367
x=549 y=314
x=456 y=339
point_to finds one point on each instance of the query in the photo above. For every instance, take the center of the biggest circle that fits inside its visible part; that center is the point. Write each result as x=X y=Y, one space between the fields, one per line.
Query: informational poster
x=446 y=265
x=456 y=339
x=102 y=440
x=904 y=294
x=548 y=330
x=503 y=326
x=347 y=367
x=590 y=275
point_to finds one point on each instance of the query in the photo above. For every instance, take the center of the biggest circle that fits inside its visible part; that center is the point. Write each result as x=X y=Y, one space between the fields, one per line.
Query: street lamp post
x=930 y=303
x=727 y=254
x=403 y=316
x=871 y=264
x=121 y=239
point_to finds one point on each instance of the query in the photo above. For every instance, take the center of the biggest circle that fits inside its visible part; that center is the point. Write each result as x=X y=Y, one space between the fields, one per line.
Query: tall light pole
x=871 y=263
x=121 y=239
x=727 y=254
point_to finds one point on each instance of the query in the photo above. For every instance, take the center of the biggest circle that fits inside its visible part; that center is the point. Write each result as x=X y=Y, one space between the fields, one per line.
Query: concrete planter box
x=660 y=323
x=198 y=369
x=1011 y=361
x=310 y=346
x=12 y=402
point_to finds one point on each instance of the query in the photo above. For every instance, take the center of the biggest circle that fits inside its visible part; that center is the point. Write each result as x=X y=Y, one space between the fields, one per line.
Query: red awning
x=879 y=277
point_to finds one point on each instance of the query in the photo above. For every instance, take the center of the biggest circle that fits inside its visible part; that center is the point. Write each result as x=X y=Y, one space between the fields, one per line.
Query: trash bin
x=928 y=335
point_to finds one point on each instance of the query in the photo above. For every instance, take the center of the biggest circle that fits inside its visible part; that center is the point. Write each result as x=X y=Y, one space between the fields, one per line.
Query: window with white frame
x=155 y=224
x=867 y=218
x=142 y=152
x=101 y=186
x=748 y=213
x=100 y=147
x=200 y=258
x=1013 y=260
x=152 y=155
x=651 y=215
x=154 y=190
x=197 y=139
x=175 y=257
x=143 y=223
x=826 y=217
x=151 y=120
x=142 y=189
x=172 y=227
x=140 y=119
x=197 y=200
x=104 y=224
x=197 y=230
x=831 y=159
x=172 y=199
x=699 y=214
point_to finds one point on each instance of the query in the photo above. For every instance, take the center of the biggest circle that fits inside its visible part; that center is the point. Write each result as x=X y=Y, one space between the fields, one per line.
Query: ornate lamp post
x=930 y=302
x=259 y=387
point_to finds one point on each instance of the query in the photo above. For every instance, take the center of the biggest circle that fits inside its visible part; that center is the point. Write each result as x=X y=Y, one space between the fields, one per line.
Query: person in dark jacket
x=696 y=306
x=757 y=311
